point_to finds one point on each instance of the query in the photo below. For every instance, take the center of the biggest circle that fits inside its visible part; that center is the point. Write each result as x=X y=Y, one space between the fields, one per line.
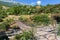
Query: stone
x=45 y=33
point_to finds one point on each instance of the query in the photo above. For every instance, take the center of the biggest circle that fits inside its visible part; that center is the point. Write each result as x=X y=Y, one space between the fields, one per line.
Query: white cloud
x=38 y=2
x=34 y=3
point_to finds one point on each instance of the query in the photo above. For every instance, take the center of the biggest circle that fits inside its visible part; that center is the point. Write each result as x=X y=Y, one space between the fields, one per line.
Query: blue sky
x=33 y=2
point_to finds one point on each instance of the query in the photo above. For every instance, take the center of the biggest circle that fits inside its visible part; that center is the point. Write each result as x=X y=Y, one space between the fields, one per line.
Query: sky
x=34 y=2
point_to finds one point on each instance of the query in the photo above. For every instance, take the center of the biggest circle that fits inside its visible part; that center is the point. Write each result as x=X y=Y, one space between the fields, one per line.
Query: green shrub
x=9 y=21
x=4 y=26
x=23 y=19
x=25 y=36
x=3 y=14
x=58 y=31
x=42 y=19
x=1 y=20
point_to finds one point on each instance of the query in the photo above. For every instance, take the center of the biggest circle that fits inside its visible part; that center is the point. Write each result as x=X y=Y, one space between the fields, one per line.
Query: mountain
x=9 y=3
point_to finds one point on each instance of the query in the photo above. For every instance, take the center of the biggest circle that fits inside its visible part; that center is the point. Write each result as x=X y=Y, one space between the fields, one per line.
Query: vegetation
x=9 y=21
x=58 y=32
x=25 y=36
x=28 y=10
x=41 y=19
x=23 y=19
x=3 y=14
x=4 y=26
x=37 y=15
x=36 y=11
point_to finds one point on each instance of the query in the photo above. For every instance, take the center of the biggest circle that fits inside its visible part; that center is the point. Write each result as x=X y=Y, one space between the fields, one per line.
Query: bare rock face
x=42 y=33
x=22 y=26
x=51 y=37
x=58 y=37
x=45 y=33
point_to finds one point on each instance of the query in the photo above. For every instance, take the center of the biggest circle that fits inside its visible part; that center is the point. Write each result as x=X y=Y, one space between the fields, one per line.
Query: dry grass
x=17 y=17
x=14 y=17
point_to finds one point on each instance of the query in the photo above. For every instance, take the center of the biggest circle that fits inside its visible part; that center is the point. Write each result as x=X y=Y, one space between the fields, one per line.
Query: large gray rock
x=45 y=33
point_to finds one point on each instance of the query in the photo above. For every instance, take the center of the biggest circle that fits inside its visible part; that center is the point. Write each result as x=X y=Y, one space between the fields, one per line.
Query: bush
x=25 y=36
x=42 y=19
x=23 y=19
x=4 y=26
x=9 y=21
x=14 y=10
x=3 y=14
x=58 y=33
x=1 y=20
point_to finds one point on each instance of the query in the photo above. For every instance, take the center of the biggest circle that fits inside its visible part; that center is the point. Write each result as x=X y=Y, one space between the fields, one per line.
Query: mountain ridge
x=9 y=3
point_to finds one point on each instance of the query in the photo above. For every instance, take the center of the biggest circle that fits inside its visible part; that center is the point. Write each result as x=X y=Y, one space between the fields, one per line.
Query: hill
x=9 y=3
